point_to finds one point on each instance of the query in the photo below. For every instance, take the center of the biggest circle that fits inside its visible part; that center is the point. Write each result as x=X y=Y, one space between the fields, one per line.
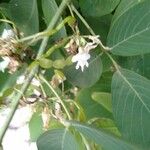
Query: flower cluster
x=6 y=51
x=4 y=64
x=83 y=48
x=7 y=34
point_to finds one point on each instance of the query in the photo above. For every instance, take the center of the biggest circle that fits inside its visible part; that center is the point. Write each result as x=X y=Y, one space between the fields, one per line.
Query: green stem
x=48 y=32
x=52 y=25
x=31 y=37
x=85 y=142
x=113 y=61
x=15 y=101
x=17 y=96
x=71 y=12
x=56 y=46
x=83 y=20
x=42 y=88
x=58 y=97
x=104 y=48
x=7 y=21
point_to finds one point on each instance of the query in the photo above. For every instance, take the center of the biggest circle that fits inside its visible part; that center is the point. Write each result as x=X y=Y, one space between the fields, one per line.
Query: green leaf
x=103 y=99
x=57 y=139
x=88 y=77
x=24 y=13
x=4 y=9
x=92 y=108
x=107 y=63
x=97 y=8
x=54 y=124
x=49 y=9
x=145 y=65
x=108 y=141
x=139 y=64
x=8 y=80
x=36 y=126
x=123 y=7
x=130 y=34
x=107 y=125
x=131 y=106
x=100 y=25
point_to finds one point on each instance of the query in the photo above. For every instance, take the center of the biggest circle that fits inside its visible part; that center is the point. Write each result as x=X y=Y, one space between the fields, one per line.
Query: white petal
x=6 y=59
x=36 y=92
x=85 y=56
x=4 y=64
x=81 y=50
x=20 y=79
x=81 y=59
x=35 y=82
x=87 y=64
x=57 y=106
x=89 y=46
x=77 y=66
x=74 y=58
x=81 y=64
x=7 y=34
x=95 y=39
x=82 y=68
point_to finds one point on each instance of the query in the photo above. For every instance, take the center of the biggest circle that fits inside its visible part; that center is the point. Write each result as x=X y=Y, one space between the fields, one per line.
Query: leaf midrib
x=134 y=90
x=101 y=134
x=130 y=37
x=32 y=12
x=128 y=8
x=63 y=139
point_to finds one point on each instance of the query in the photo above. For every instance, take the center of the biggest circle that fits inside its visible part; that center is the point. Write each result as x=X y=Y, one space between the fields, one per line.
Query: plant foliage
x=84 y=67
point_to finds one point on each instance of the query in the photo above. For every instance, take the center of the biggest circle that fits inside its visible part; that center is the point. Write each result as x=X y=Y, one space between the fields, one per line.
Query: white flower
x=35 y=82
x=81 y=59
x=83 y=47
x=4 y=64
x=95 y=39
x=89 y=46
x=20 y=79
x=68 y=45
x=36 y=92
x=7 y=34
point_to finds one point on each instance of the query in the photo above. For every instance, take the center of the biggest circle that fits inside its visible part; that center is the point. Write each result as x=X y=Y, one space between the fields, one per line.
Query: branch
x=58 y=97
x=17 y=96
x=104 y=48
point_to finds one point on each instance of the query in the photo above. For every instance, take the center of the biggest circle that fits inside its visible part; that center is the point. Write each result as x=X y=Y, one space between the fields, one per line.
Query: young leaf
x=93 y=109
x=107 y=125
x=131 y=106
x=57 y=139
x=130 y=34
x=103 y=99
x=35 y=126
x=24 y=13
